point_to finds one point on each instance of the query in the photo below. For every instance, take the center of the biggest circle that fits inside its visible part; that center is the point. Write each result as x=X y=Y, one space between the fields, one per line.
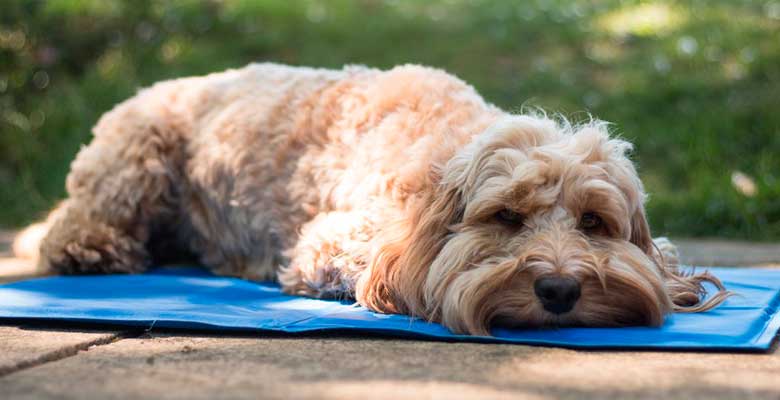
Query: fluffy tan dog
x=402 y=189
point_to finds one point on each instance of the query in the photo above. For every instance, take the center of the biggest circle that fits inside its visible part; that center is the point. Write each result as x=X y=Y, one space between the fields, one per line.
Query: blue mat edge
x=760 y=343
x=772 y=327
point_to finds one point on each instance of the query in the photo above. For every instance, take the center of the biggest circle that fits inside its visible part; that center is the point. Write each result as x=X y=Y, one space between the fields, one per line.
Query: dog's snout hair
x=559 y=251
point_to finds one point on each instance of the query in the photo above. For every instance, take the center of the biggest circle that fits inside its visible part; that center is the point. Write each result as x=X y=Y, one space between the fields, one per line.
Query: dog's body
x=401 y=188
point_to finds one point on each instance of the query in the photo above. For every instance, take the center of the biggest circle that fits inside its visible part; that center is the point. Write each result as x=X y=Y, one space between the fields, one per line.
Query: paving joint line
x=67 y=352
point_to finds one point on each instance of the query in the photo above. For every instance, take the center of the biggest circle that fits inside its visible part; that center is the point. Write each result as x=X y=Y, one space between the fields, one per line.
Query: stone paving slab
x=171 y=366
x=728 y=253
x=25 y=347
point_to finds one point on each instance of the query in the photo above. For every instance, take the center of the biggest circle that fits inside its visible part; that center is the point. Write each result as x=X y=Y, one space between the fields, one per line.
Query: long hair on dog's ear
x=405 y=251
x=640 y=231
x=685 y=288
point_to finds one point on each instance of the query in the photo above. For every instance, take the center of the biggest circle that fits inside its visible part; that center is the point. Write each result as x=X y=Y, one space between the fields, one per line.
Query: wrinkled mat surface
x=192 y=298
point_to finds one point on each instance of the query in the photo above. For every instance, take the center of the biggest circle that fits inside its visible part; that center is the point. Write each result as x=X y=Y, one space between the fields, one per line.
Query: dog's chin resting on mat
x=402 y=189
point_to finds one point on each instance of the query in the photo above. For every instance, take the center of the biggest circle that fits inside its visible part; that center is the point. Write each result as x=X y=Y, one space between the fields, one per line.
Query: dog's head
x=534 y=223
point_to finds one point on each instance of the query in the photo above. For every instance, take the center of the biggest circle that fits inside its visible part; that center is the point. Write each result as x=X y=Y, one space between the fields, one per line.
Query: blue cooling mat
x=192 y=298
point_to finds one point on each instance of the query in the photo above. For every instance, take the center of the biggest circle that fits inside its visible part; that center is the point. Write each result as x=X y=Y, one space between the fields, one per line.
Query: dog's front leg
x=331 y=252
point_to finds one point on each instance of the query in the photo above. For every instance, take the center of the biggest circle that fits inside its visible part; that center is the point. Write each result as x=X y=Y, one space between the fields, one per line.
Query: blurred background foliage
x=695 y=84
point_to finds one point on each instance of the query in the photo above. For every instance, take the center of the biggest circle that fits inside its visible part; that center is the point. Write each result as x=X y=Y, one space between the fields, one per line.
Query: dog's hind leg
x=80 y=241
x=120 y=186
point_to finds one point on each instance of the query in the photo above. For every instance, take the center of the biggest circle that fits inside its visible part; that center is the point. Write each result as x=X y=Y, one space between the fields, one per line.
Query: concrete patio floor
x=71 y=361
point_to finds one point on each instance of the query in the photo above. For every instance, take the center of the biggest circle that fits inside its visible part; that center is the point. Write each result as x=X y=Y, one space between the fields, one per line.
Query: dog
x=401 y=189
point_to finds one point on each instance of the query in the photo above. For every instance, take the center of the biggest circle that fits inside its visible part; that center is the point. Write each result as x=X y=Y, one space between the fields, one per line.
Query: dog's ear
x=640 y=231
x=404 y=252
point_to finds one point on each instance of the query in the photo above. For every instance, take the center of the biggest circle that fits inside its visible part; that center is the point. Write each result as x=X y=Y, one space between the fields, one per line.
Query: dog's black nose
x=557 y=294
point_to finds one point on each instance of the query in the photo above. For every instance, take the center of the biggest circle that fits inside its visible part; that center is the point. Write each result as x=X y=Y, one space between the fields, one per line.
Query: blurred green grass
x=694 y=84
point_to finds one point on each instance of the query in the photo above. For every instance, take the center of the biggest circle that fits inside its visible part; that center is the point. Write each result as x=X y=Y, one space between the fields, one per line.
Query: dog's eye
x=590 y=221
x=509 y=217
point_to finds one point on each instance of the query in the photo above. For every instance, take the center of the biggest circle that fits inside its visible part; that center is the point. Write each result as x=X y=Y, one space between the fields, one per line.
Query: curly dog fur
x=402 y=189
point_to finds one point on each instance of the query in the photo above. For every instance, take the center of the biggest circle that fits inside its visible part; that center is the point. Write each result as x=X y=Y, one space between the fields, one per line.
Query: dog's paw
x=93 y=249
